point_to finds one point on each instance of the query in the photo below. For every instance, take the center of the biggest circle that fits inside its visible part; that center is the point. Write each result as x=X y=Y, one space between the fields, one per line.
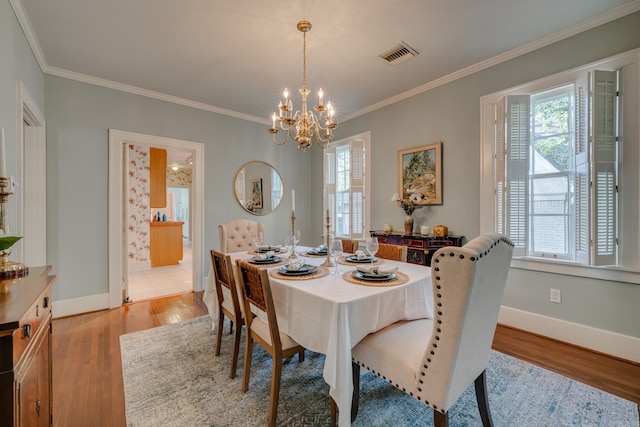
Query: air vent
x=398 y=54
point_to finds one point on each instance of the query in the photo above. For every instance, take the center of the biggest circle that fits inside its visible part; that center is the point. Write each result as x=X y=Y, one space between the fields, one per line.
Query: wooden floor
x=87 y=371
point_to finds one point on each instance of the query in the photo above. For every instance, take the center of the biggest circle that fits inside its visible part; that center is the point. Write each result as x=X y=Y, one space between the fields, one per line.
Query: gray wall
x=451 y=114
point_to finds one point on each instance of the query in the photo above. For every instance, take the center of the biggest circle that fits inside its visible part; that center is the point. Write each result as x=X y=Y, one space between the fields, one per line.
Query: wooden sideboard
x=25 y=349
x=420 y=248
x=165 y=242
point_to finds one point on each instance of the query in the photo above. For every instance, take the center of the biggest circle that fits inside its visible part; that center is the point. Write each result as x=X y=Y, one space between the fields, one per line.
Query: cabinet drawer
x=31 y=322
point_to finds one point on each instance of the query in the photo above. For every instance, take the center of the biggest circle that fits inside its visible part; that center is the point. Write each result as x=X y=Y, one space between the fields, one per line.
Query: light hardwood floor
x=87 y=370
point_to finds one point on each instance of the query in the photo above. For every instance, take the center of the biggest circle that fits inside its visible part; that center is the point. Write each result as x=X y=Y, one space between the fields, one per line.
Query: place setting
x=375 y=275
x=319 y=251
x=299 y=270
x=267 y=258
x=358 y=258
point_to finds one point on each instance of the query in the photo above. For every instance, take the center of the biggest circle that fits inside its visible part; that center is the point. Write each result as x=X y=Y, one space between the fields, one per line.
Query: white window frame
x=628 y=268
x=360 y=173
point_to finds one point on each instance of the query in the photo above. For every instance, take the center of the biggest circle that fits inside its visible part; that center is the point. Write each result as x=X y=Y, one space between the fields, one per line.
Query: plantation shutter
x=500 y=188
x=604 y=139
x=357 y=188
x=330 y=186
x=582 y=175
x=517 y=149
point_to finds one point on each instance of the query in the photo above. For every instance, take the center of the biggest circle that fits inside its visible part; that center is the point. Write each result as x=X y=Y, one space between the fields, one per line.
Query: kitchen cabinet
x=166 y=242
x=157 y=178
x=25 y=349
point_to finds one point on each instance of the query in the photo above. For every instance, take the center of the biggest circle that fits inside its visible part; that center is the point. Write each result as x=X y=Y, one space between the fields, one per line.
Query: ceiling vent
x=398 y=54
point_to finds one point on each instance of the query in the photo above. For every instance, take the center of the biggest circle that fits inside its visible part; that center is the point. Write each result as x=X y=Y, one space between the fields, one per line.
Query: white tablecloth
x=330 y=315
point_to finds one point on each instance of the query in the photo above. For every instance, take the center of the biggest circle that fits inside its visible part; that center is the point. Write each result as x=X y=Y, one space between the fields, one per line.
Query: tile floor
x=161 y=281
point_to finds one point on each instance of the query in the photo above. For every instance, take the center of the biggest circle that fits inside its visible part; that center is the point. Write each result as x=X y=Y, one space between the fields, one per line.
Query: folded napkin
x=269 y=247
x=266 y=255
x=321 y=248
x=374 y=269
x=361 y=255
x=295 y=266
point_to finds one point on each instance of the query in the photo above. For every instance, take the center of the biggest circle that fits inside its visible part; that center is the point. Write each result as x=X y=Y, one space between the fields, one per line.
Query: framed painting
x=256 y=193
x=420 y=174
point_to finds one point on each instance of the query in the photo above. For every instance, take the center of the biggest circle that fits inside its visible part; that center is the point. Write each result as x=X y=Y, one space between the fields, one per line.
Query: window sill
x=613 y=273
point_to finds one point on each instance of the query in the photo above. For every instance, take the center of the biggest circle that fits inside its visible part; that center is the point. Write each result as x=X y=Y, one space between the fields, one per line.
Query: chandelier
x=302 y=125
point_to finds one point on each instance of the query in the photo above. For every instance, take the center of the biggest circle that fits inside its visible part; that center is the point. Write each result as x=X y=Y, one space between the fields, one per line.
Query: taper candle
x=3 y=163
x=293 y=200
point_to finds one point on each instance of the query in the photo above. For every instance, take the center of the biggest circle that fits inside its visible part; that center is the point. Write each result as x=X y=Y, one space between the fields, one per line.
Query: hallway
x=162 y=281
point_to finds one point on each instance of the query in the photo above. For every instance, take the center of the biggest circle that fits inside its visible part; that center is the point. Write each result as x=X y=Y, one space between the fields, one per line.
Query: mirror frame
x=235 y=187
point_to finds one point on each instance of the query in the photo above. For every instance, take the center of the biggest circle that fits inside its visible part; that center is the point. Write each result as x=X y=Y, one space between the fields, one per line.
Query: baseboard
x=139 y=266
x=73 y=306
x=612 y=343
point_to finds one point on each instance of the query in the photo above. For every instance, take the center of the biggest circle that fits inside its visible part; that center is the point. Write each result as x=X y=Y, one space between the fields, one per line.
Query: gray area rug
x=172 y=378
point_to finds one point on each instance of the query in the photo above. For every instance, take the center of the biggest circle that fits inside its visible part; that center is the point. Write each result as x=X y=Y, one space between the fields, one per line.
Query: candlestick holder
x=329 y=262
x=8 y=269
x=293 y=254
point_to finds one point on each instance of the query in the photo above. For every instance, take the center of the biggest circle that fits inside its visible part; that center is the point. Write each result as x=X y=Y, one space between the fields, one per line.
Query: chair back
x=237 y=235
x=349 y=246
x=468 y=284
x=223 y=276
x=256 y=290
x=392 y=252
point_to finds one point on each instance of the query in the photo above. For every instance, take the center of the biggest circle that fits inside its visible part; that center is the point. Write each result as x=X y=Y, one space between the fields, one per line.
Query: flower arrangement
x=408 y=202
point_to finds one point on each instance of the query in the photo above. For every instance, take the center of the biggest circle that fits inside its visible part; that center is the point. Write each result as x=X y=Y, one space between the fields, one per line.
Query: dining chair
x=256 y=291
x=349 y=246
x=238 y=235
x=228 y=304
x=392 y=252
x=435 y=360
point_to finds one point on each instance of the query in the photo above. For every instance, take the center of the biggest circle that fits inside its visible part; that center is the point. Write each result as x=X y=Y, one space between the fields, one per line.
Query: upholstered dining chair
x=238 y=235
x=228 y=304
x=349 y=246
x=435 y=360
x=392 y=252
x=256 y=291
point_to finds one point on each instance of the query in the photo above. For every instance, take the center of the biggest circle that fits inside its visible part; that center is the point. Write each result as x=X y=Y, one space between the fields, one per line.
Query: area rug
x=172 y=378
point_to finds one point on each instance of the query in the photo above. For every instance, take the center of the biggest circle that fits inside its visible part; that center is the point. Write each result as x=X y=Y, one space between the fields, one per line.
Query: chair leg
x=355 y=400
x=483 y=399
x=440 y=419
x=334 y=412
x=276 y=373
x=248 y=355
x=301 y=356
x=230 y=327
x=236 y=351
x=219 y=331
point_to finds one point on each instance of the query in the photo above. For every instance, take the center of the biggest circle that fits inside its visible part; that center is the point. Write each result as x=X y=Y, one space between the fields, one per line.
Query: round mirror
x=258 y=188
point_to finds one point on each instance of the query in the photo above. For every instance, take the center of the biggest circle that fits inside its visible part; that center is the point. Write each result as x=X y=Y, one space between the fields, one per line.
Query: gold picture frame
x=420 y=173
x=256 y=193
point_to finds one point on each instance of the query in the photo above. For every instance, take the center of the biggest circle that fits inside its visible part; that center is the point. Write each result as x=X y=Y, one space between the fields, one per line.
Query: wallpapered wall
x=139 y=189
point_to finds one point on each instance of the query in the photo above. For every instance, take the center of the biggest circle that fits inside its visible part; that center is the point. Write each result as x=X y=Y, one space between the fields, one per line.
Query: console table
x=420 y=248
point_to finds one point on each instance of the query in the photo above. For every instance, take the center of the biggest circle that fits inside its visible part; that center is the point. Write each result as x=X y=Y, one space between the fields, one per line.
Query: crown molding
x=585 y=25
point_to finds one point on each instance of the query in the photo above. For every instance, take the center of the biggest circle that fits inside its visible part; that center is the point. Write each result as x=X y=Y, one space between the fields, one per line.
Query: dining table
x=330 y=314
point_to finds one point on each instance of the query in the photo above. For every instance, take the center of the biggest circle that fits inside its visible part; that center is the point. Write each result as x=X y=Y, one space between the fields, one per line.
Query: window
x=563 y=165
x=345 y=176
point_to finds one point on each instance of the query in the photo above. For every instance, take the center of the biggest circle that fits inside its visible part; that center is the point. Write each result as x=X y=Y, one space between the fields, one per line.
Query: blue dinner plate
x=305 y=269
x=270 y=260
x=368 y=259
x=373 y=277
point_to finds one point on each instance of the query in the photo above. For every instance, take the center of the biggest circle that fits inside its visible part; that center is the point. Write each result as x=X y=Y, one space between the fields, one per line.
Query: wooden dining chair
x=349 y=246
x=238 y=235
x=256 y=290
x=392 y=252
x=435 y=360
x=228 y=304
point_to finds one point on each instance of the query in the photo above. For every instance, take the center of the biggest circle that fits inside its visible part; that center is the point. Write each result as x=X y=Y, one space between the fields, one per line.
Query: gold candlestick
x=293 y=255
x=8 y=269
x=328 y=262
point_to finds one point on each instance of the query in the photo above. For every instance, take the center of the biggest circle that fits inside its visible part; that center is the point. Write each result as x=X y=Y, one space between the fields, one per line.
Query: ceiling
x=236 y=57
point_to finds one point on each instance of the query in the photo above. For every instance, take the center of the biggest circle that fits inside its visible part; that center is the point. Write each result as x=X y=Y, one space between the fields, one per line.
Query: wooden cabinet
x=420 y=248
x=25 y=349
x=157 y=178
x=166 y=243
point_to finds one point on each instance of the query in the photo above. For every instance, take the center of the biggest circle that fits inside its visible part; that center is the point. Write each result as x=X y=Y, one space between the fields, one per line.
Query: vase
x=408 y=224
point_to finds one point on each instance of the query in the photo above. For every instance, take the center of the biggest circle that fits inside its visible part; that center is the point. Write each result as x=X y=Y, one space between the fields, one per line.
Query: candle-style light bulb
x=286 y=94
x=320 y=95
x=273 y=120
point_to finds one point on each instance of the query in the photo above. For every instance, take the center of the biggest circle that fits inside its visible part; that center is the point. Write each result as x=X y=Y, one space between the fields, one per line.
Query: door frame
x=117 y=226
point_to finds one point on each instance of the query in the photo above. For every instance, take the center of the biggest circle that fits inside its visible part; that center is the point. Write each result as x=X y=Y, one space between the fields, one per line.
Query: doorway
x=118 y=201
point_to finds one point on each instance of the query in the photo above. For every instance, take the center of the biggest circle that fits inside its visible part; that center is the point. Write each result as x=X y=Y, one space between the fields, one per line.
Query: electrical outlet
x=555 y=296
